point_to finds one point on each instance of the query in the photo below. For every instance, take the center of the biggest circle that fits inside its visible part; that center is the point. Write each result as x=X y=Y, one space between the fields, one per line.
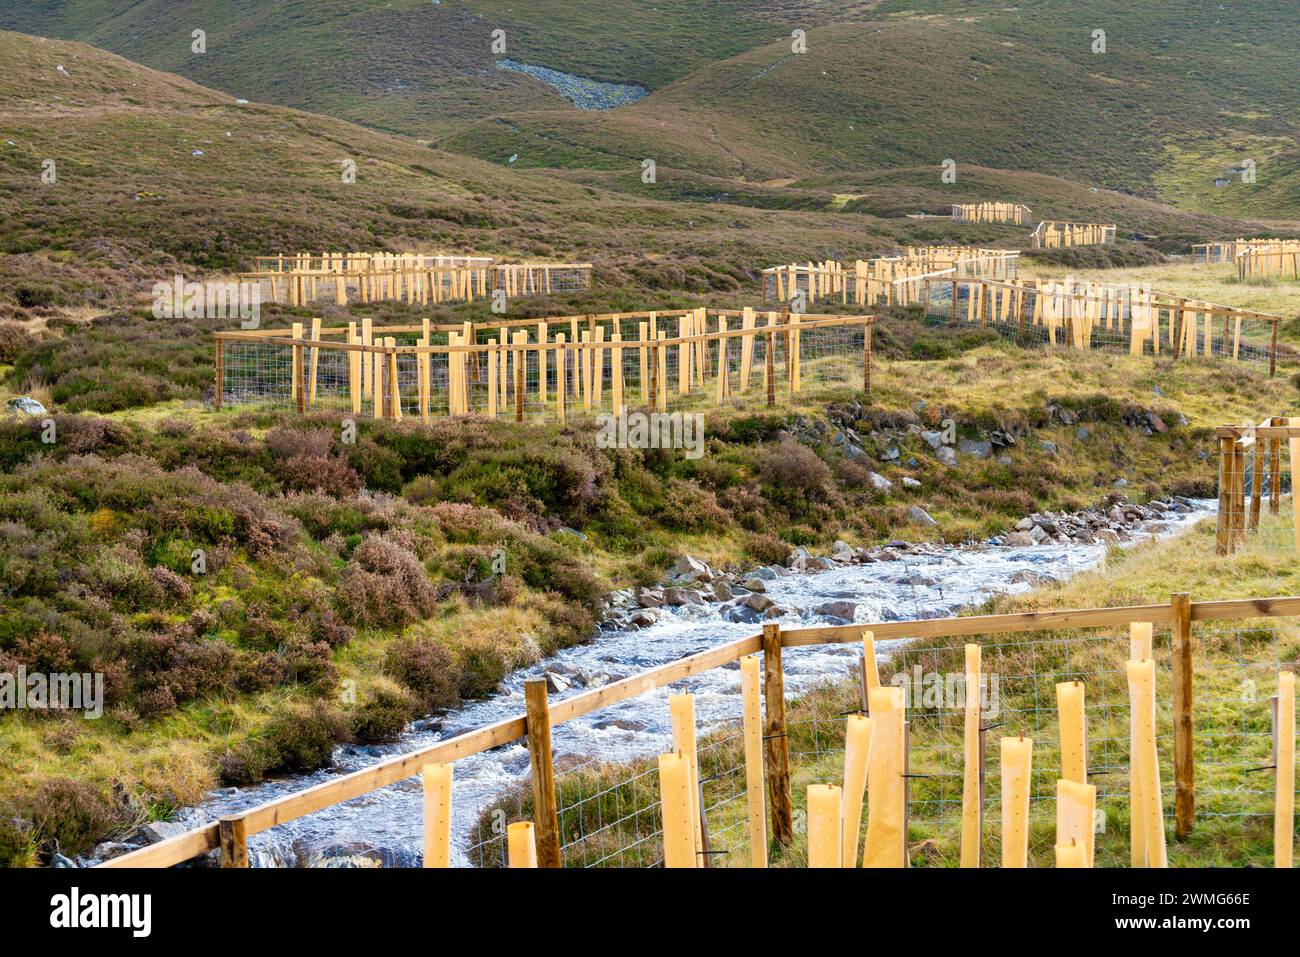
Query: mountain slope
x=157 y=175
x=1184 y=89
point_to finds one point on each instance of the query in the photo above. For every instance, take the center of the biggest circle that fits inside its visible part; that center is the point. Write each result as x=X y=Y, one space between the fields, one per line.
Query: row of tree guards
x=1250 y=471
x=1254 y=258
x=875 y=775
x=991 y=212
x=503 y=369
x=885 y=281
x=1084 y=315
x=414 y=278
x=1054 y=235
x=883 y=751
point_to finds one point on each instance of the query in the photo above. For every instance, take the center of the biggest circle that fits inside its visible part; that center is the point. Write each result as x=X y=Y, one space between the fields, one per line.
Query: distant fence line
x=991 y=212
x=1252 y=469
x=1053 y=235
x=884 y=281
x=552 y=366
x=1254 y=258
x=416 y=278
x=1097 y=736
x=1087 y=315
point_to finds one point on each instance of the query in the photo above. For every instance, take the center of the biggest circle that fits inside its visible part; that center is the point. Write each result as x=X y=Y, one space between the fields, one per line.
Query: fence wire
x=527 y=380
x=610 y=814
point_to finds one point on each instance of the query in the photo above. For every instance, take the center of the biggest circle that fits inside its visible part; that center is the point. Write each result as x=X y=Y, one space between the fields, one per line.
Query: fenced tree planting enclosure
x=1254 y=258
x=886 y=281
x=416 y=278
x=1257 y=465
x=558 y=366
x=1053 y=235
x=991 y=212
x=1089 y=315
x=1064 y=680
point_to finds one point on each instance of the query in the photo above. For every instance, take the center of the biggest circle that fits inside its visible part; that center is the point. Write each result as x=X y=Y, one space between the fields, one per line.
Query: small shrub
x=17 y=846
x=74 y=814
x=384 y=715
x=428 y=669
x=792 y=467
x=766 y=549
x=385 y=584
x=14 y=340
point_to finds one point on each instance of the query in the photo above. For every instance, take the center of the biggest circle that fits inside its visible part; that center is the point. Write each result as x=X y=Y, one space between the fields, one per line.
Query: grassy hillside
x=156 y=175
x=1183 y=90
x=410 y=65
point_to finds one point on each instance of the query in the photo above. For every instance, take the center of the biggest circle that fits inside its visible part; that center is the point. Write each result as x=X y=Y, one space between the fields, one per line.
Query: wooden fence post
x=1180 y=643
x=777 y=745
x=545 y=813
x=234 y=841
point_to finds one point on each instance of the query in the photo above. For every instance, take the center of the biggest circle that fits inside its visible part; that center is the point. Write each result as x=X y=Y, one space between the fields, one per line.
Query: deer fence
x=414 y=278
x=887 y=281
x=1256 y=472
x=1087 y=315
x=991 y=212
x=1054 y=235
x=558 y=366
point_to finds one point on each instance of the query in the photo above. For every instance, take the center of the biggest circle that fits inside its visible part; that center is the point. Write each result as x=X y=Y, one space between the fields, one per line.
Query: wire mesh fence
x=547 y=368
x=1054 y=235
x=414 y=278
x=885 y=281
x=1217 y=742
x=1086 y=315
x=611 y=816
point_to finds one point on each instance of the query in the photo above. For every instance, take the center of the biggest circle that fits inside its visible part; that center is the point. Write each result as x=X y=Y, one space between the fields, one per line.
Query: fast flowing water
x=385 y=825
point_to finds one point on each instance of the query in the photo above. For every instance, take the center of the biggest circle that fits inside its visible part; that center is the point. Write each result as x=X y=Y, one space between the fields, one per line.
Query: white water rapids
x=386 y=824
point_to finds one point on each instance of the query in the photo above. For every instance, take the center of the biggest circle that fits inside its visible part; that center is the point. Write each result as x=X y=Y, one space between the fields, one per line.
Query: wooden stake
x=753 y=733
x=1184 y=736
x=437 y=815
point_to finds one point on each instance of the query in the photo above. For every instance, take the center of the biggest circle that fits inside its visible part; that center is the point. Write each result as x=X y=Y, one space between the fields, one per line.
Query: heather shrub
x=72 y=814
x=286 y=443
x=299 y=738
x=794 y=468
x=385 y=584
x=17 y=844
x=319 y=473
x=384 y=714
x=428 y=669
x=14 y=340
x=484 y=663
x=689 y=507
x=766 y=548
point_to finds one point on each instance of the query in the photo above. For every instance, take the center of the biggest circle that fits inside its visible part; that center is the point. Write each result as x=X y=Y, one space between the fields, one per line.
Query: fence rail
x=557 y=366
x=231 y=833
